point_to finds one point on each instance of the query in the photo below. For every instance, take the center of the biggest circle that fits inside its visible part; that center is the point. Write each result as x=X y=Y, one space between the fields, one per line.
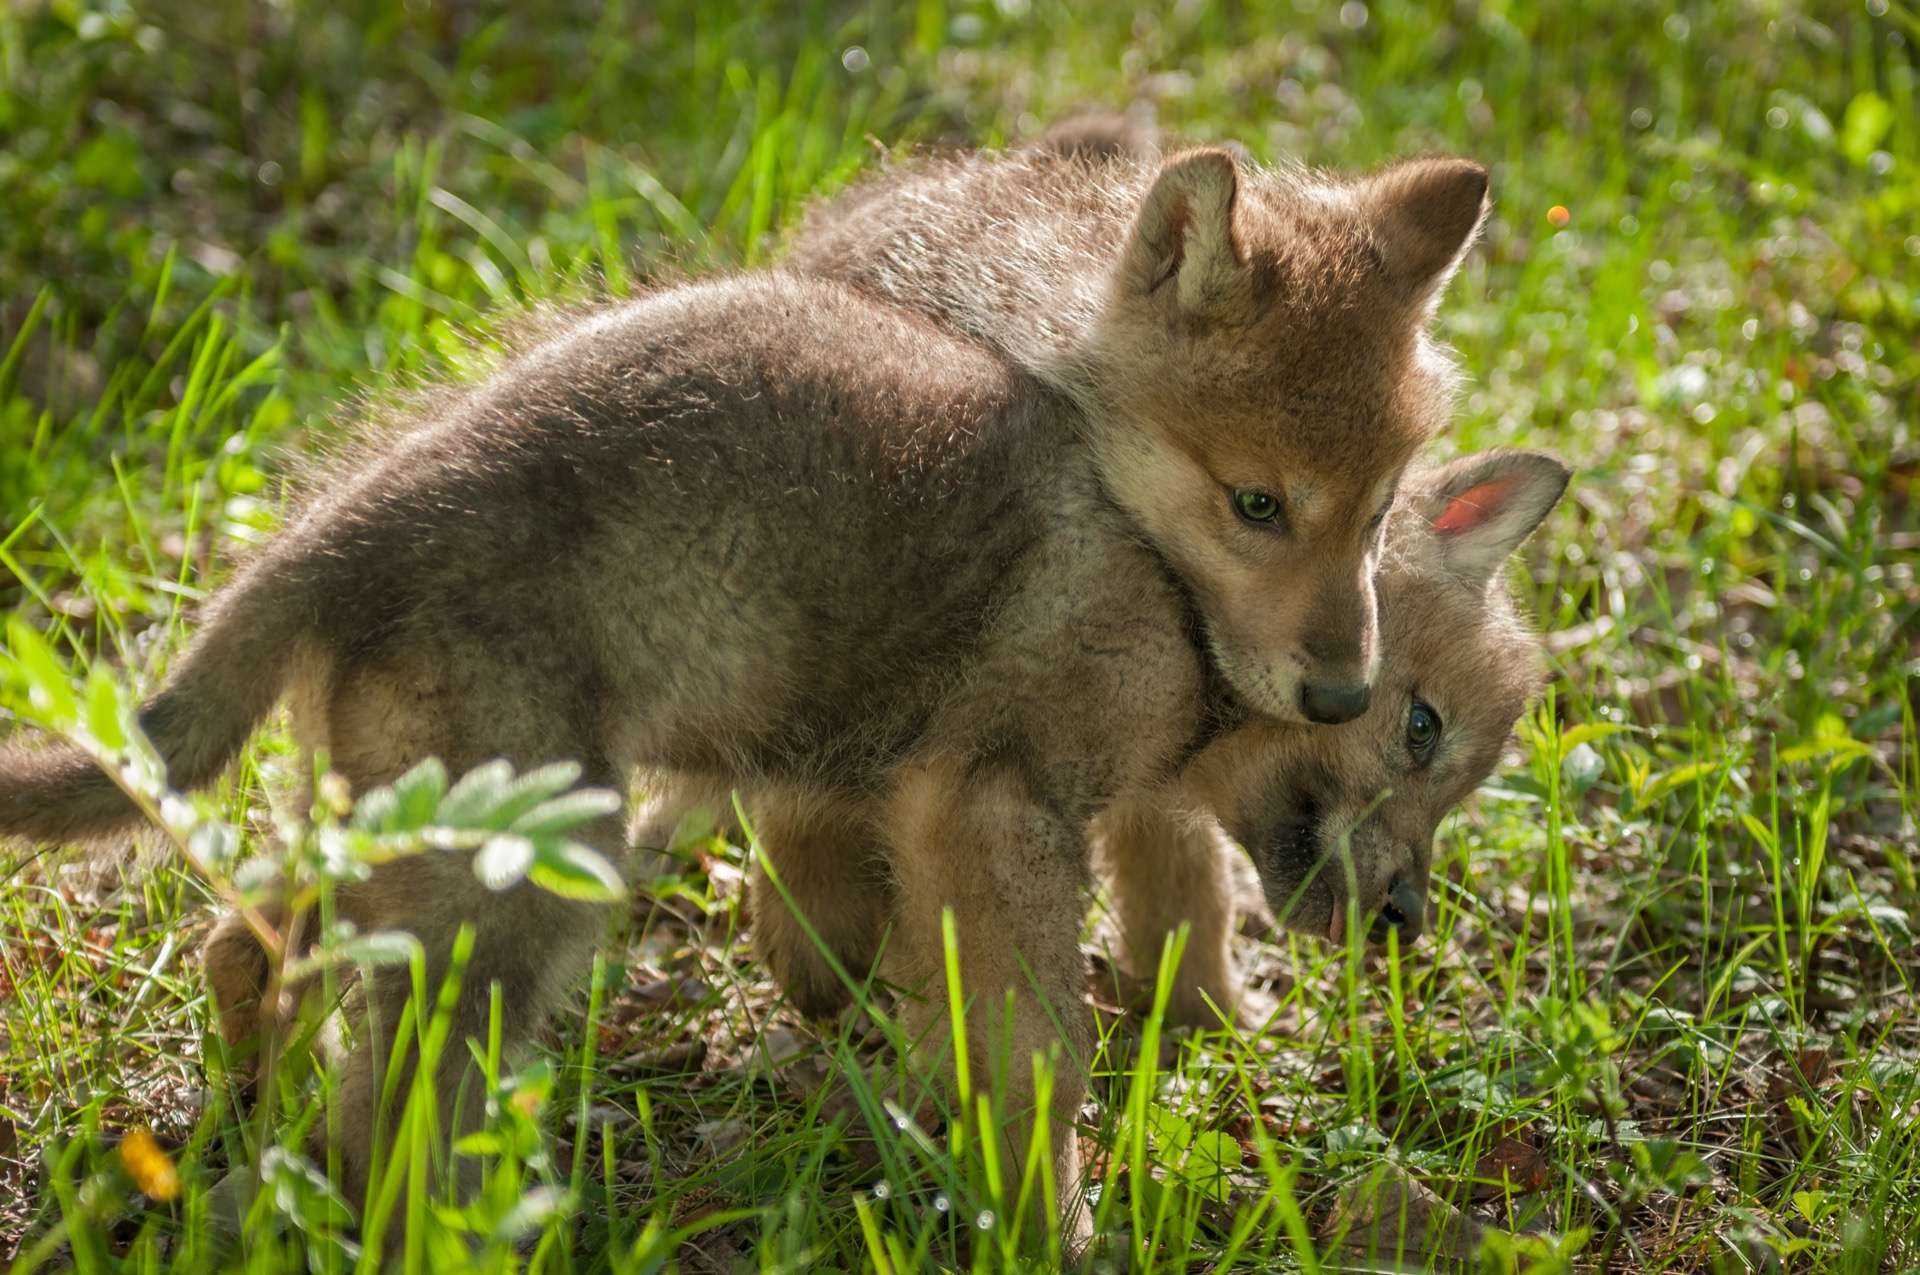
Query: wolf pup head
x=1345 y=811
x=1266 y=375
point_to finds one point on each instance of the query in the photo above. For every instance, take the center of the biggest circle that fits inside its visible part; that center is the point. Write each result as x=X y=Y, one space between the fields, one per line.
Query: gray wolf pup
x=1251 y=344
x=761 y=529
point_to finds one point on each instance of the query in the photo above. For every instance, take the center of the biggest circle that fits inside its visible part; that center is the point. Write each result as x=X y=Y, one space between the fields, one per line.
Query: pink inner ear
x=1473 y=506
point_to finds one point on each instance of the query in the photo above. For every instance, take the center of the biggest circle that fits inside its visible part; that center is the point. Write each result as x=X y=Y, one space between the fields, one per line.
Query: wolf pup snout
x=1405 y=910
x=1330 y=703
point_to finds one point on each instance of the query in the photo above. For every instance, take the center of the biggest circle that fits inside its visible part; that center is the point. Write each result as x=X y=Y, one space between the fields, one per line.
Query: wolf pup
x=763 y=529
x=1329 y=813
x=1252 y=344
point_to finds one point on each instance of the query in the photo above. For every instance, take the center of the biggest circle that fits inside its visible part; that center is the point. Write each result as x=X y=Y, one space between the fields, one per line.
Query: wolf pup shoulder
x=1250 y=348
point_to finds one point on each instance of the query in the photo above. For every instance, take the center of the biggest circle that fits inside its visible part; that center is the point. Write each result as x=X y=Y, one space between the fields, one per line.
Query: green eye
x=1254 y=505
x=1423 y=731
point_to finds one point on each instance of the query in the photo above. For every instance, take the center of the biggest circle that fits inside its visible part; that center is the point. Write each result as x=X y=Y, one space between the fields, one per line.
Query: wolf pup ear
x=1184 y=234
x=1426 y=213
x=1481 y=508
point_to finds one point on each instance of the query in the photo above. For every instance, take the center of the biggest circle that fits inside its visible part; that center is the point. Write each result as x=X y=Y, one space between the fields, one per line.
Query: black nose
x=1330 y=703
x=1405 y=910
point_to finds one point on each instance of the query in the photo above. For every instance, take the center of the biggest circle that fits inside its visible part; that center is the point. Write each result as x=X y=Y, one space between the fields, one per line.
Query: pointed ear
x=1184 y=235
x=1481 y=508
x=1426 y=213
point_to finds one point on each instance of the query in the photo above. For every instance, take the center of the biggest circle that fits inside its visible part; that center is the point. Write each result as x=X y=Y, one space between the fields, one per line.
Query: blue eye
x=1256 y=506
x=1423 y=731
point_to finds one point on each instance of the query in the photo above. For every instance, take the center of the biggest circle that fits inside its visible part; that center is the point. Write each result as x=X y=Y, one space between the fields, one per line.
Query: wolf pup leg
x=1014 y=874
x=534 y=945
x=1165 y=867
x=831 y=868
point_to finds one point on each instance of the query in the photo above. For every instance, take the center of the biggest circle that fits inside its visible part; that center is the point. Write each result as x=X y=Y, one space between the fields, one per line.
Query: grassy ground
x=1667 y=1018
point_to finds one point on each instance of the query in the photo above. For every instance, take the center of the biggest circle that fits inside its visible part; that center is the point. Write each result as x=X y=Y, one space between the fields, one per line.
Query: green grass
x=1666 y=1020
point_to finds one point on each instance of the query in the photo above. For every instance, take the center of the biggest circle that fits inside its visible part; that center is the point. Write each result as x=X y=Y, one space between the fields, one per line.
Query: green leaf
x=503 y=861
x=379 y=947
x=1521 y=788
x=1760 y=832
x=536 y=1208
x=1838 y=747
x=1867 y=120
x=47 y=684
x=574 y=871
x=1679 y=777
x=476 y=796
x=104 y=711
x=419 y=792
x=1210 y=1159
x=485 y=1142
x=534 y=787
x=491 y=796
x=1582 y=767
x=568 y=811
x=376 y=811
x=1811 y=1205
x=408 y=804
x=1586 y=733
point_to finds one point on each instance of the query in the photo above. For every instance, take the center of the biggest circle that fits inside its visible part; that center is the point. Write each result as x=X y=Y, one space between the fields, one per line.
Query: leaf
x=568 y=811
x=213 y=843
x=477 y=795
x=104 y=711
x=1587 y=732
x=1819 y=128
x=537 y=1206
x=1170 y=1132
x=1521 y=788
x=1839 y=747
x=484 y=1143
x=377 y=811
x=1811 y=1205
x=1676 y=778
x=1511 y=1166
x=503 y=861
x=1867 y=120
x=379 y=947
x=418 y=793
x=1582 y=768
x=47 y=685
x=574 y=871
x=1760 y=833
x=1669 y=1165
x=1211 y=1158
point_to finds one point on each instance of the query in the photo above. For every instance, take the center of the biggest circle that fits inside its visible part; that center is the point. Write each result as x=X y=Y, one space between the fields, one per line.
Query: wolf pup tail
x=228 y=678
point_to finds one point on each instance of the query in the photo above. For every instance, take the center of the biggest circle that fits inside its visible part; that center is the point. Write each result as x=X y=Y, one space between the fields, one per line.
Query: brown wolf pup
x=763 y=529
x=1311 y=804
x=1251 y=343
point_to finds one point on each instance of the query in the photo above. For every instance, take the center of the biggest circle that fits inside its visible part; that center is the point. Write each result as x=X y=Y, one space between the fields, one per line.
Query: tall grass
x=1665 y=1016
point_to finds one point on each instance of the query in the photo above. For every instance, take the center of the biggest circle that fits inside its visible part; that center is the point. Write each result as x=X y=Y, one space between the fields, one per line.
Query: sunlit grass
x=1665 y=1016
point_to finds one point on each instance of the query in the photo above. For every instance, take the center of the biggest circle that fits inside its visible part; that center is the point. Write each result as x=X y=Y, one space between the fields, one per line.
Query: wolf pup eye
x=1423 y=731
x=1256 y=506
